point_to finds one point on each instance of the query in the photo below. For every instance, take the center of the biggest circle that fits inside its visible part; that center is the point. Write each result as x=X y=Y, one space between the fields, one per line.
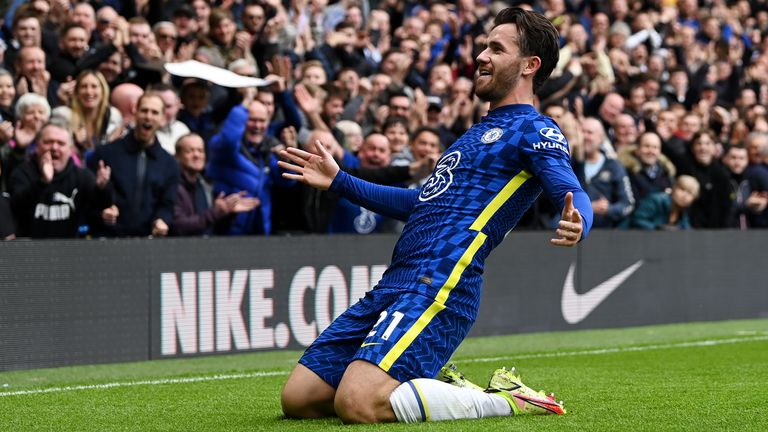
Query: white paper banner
x=216 y=75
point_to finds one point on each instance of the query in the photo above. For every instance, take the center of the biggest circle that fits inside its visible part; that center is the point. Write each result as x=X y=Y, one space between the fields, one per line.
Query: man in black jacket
x=50 y=196
x=145 y=176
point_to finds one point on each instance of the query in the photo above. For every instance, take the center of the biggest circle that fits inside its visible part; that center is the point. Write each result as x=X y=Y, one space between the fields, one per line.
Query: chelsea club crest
x=492 y=135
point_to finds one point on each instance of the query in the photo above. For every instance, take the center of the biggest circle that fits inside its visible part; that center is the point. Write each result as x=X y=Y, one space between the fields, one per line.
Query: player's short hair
x=537 y=37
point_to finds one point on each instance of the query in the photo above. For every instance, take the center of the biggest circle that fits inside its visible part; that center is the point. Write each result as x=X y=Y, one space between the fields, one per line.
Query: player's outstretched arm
x=321 y=171
x=316 y=170
x=571 y=226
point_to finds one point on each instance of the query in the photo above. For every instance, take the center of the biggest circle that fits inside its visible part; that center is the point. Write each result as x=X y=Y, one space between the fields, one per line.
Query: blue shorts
x=406 y=334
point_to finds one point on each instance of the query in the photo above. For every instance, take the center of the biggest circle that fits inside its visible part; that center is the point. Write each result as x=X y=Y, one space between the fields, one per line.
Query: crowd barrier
x=82 y=302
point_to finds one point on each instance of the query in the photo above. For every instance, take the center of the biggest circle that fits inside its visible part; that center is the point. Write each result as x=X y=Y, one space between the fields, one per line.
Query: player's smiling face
x=499 y=64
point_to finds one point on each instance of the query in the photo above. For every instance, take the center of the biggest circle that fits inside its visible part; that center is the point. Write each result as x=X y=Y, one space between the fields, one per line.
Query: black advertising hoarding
x=75 y=302
x=240 y=294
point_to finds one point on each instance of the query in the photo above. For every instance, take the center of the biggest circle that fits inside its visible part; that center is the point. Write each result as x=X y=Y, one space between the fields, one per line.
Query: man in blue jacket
x=242 y=159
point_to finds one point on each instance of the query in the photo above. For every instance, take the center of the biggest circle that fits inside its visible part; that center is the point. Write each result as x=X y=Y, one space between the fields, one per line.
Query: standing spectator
x=713 y=207
x=26 y=31
x=166 y=36
x=92 y=120
x=649 y=171
x=396 y=130
x=7 y=98
x=73 y=43
x=144 y=176
x=196 y=212
x=625 y=132
x=757 y=176
x=50 y=196
x=197 y=113
x=736 y=161
x=667 y=210
x=677 y=148
x=353 y=218
x=32 y=112
x=604 y=179
x=32 y=76
x=242 y=159
x=83 y=15
x=125 y=97
x=172 y=129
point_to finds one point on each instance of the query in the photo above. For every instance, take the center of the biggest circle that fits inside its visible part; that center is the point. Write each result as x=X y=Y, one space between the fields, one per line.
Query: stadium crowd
x=662 y=104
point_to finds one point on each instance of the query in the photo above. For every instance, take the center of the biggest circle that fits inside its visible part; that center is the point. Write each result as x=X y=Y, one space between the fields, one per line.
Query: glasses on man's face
x=166 y=36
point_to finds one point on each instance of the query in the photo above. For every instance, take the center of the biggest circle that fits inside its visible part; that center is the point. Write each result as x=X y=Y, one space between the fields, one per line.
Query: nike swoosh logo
x=370 y=344
x=576 y=307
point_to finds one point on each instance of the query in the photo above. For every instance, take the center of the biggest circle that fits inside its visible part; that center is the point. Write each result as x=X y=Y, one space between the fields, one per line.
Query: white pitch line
x=186 y=380
x=146 y=382
x=703 y=343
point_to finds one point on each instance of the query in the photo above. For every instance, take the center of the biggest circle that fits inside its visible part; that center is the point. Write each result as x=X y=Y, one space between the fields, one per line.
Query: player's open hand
x=317 y=170
x=570 y=228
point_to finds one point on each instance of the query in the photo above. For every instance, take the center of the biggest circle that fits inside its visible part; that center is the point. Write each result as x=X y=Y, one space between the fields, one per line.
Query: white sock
x=428 y=399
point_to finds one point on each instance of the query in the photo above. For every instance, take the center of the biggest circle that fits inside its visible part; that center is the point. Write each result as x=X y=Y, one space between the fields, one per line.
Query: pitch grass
x=704 y=376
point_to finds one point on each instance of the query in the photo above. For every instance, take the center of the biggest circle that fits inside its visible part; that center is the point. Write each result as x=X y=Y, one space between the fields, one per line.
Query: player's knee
x=292 y=403
x=304 y=397
x=352 y=408
x=362 y=405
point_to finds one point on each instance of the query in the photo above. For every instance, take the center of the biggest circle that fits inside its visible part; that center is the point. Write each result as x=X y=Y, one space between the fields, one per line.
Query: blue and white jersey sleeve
x=545 y=151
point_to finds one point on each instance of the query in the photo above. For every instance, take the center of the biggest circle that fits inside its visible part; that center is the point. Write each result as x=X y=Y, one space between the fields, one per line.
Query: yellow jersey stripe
x=438 y=305
x=423 y=401
x=458 y=269
x=503 y=196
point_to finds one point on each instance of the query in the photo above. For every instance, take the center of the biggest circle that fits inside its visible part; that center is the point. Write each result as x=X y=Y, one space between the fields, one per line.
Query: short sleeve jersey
x=479 y=190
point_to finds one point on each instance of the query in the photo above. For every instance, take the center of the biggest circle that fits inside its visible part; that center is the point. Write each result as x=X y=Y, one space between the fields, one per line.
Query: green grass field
x=701 y=377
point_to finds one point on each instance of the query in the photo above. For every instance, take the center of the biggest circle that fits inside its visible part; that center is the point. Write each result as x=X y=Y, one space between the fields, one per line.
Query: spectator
x=625 y=132
x=424 y=145
x=756 y=174
x=713 y=207
x=73 y=42
x=172 y=129
x=185 y=20
x=26 y=31
x=166 y=36
x=736 y=160
x=7 y=98
x=604 y=179
x=353 y=135
x=92 y=120
x=222 y=37
x=196 y=212
x=50 y=196
x=32 y=112
x=144 y=176
x=203 y=11
x=106 y=18
x=83 y=15
x=196 y=112
x=677 y=147
x=667 y=210
x=648 y=170
x=125 y=97
x=242 y=159
x=396 y=130
x=32 y=76
x=352 y=218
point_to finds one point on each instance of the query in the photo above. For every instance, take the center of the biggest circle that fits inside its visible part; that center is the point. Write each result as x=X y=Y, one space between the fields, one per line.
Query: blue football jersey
x=479 y=190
